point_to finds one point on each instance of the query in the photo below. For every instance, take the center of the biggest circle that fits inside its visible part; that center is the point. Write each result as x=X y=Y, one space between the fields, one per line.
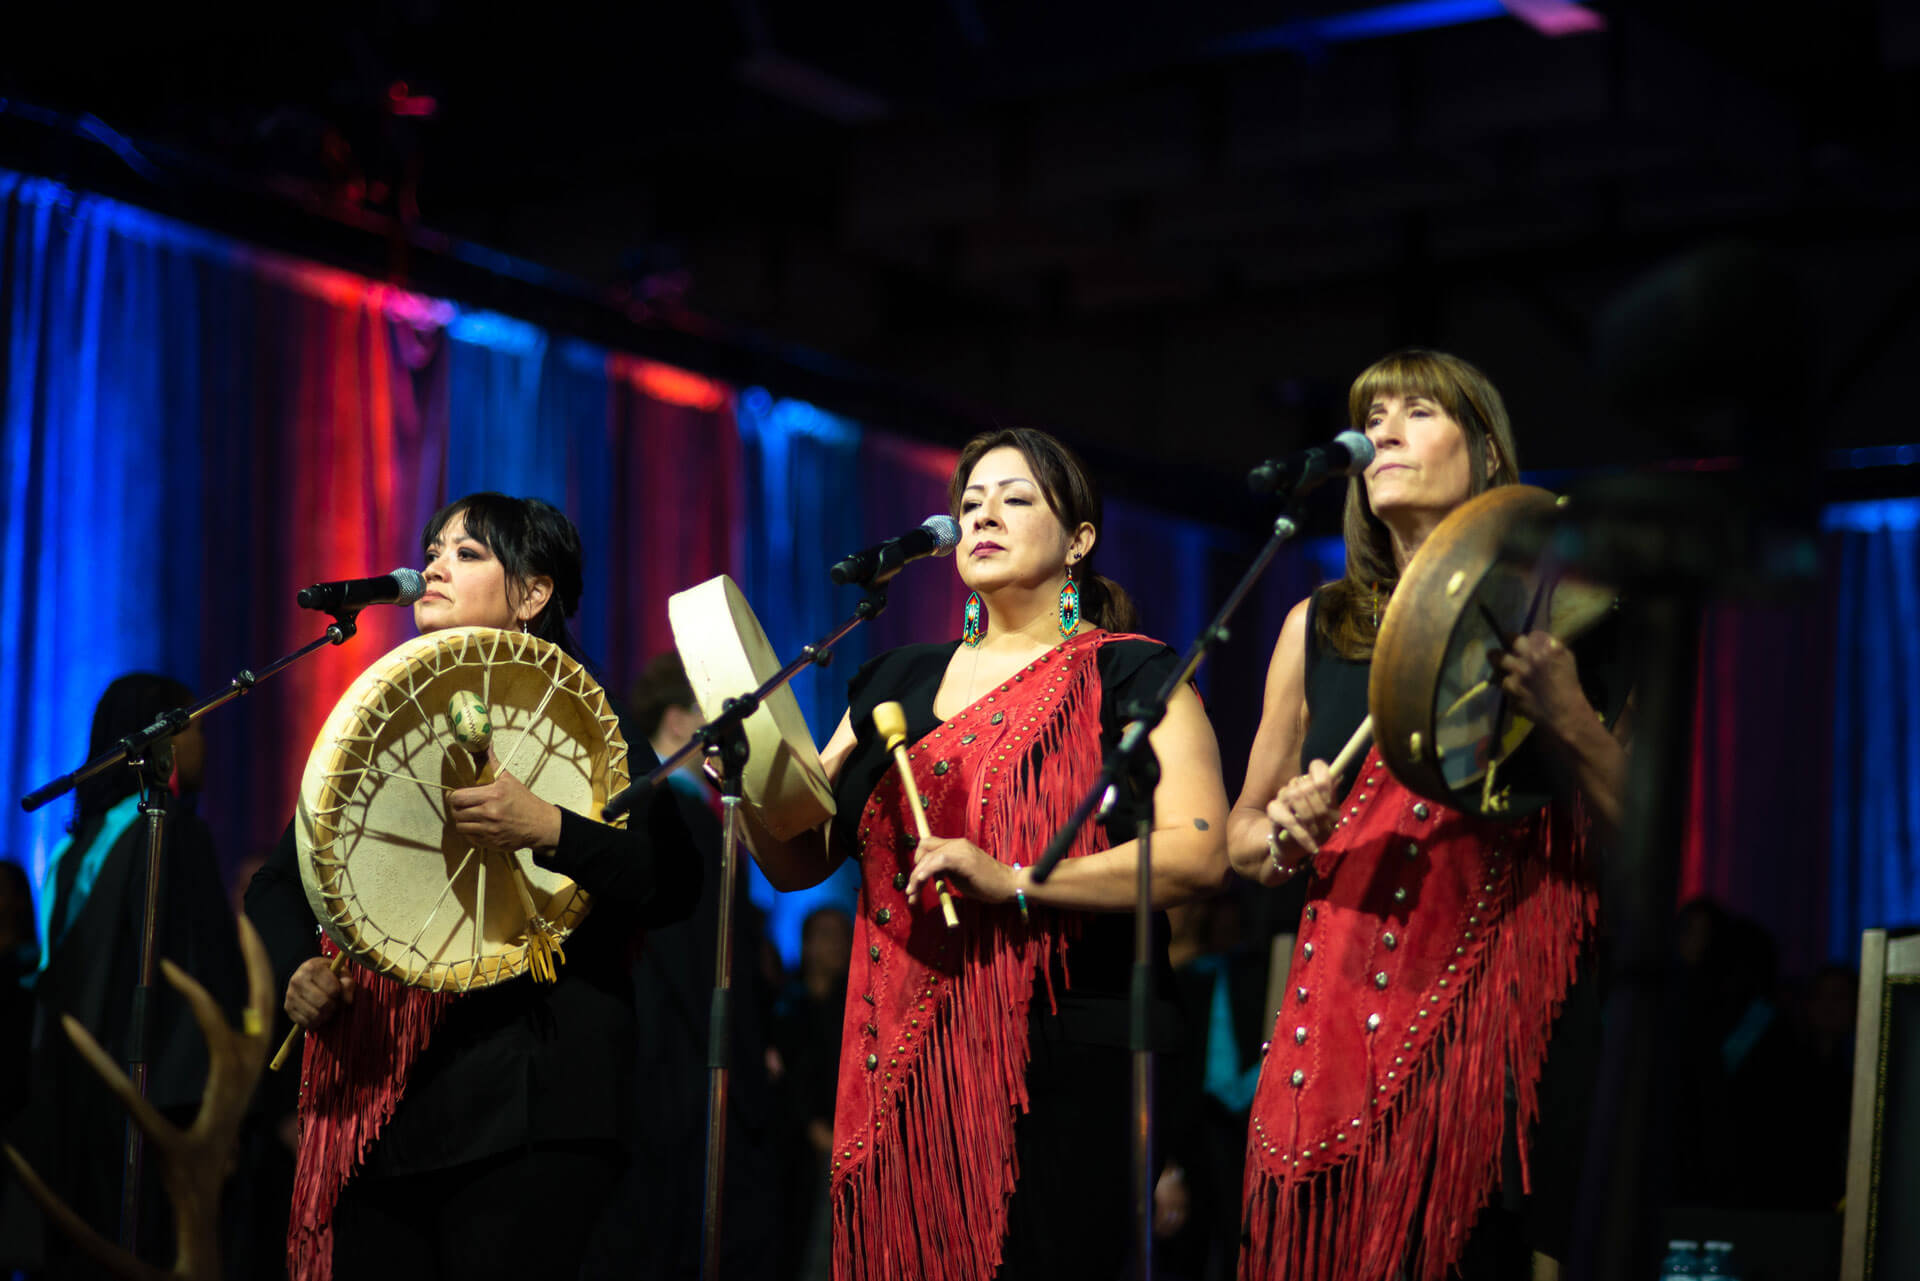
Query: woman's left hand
x=964 y=866
x=504 y=815
x=1543 y=681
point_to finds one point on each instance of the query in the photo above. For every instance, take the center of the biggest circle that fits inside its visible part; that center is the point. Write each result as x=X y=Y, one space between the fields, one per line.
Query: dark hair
x=825 y=912
x=1075 y=500
x=131 y=702
x=1348 y=616
x=530 y=538
x=23 y=927
x=661 y=685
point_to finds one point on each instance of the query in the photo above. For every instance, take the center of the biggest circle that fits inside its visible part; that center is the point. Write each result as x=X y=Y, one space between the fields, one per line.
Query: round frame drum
x=1445 y=728
x=388 y=877
x=727 y=655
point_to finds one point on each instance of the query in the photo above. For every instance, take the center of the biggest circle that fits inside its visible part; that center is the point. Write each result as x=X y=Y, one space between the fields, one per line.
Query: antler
x=194 y=1162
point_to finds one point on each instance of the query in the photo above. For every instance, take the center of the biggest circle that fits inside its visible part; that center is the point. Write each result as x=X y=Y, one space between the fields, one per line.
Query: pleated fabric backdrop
x=194 y=429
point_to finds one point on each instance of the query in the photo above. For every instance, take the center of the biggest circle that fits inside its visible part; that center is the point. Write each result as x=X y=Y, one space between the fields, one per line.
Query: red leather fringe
x=1409 y=1193
x=352 y=1073
x=930 y=1201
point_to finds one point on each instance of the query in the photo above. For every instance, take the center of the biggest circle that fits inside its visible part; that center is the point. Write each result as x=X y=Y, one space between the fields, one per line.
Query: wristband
x=1274 y=837
x=1019 y=895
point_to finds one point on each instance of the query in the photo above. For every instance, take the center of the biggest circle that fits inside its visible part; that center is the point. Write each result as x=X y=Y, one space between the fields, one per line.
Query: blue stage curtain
x=802 y=484
x=530 y=419
x=1875 y=814
x=100 y=496
x=193 y=431
x=800 y=468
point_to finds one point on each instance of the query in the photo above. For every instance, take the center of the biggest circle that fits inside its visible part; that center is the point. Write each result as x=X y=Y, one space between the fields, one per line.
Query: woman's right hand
x=1306 y=808
x=315 y=992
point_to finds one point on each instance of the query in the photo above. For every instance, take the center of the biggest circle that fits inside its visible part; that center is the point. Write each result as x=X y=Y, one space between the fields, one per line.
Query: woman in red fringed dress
x=1436 y=949
x=982 y=1119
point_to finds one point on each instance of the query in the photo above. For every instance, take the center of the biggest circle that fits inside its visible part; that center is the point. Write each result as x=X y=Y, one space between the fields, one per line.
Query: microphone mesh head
x=946 y=533
x=413 y=585
x=1359 y=447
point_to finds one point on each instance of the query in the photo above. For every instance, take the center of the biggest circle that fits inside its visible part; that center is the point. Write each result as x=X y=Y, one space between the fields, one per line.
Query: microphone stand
x=1132 y=770
x=724 y=739
x=138 y=750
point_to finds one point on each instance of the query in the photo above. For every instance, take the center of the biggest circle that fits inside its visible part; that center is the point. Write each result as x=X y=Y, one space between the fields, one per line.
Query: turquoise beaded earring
x=973 y=621
x=1069 y=605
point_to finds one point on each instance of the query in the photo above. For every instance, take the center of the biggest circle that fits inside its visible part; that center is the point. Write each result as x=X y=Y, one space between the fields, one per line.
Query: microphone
x=1346 y=455
x=936 y=536
x=401 y=587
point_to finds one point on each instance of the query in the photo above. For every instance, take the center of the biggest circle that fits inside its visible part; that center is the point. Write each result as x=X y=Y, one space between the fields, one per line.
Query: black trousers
x=525 y=1213
x=1072 y=1209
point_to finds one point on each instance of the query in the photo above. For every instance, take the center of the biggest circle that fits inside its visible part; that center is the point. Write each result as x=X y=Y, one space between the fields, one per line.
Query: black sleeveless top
x=1336 y=690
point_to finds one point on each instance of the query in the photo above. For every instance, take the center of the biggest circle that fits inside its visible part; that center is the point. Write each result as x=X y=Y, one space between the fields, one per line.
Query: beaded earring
x=1069 y=605
x=973 y=621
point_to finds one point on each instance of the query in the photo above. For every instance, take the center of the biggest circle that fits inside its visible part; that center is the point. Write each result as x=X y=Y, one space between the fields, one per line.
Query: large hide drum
x=388 y=877
x=727 y=655
x=1445 y=728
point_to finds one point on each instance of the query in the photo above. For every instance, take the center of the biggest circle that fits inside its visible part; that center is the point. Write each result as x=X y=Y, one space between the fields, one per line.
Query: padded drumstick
x=473 y=730
x=891 y=720
x=293 y=1037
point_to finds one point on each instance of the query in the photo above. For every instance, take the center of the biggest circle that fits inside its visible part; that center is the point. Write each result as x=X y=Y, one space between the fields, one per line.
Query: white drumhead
x=388 y=877
x=726 y=655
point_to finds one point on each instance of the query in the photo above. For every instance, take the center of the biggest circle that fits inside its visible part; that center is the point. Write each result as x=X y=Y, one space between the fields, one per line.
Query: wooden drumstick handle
x=1355 y=745
x=293 y=1037
x=891 y=720
x=473 y=731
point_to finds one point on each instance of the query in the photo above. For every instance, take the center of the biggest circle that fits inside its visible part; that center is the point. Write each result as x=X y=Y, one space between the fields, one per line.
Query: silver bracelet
x=1274 y=837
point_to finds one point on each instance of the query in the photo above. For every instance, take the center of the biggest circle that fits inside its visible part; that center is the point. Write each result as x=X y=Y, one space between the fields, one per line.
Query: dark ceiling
x=1171 y=231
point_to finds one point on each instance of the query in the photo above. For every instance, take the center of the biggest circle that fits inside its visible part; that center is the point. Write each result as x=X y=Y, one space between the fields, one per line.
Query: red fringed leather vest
x=933 y=1052
x=1434 y=951
x=353 y=1070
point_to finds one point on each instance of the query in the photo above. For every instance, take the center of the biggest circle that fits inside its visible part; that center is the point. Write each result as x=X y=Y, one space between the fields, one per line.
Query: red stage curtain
x=676 y=503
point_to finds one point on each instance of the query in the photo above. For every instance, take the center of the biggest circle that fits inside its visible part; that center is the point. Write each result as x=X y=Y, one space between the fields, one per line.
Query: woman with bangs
x=981 y=1127
x=478 y=1135
x=1391 y=1124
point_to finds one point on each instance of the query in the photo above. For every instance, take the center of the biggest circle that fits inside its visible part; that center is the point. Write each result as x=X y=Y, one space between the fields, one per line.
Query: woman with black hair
x=93 y=913
x=503 y=1130
x=982 y=1120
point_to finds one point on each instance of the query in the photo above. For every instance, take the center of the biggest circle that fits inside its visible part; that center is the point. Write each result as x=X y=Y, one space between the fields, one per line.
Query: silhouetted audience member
x=1737 y=1143
x=1206 y=1087
x=1829 y=1005
x=74 y=1129
x=807 y=1041
x=653 y=1227
x=19 y=957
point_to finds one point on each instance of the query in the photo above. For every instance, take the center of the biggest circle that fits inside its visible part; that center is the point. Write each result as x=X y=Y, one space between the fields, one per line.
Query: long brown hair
x=1075 y=500
x=1348 y=618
